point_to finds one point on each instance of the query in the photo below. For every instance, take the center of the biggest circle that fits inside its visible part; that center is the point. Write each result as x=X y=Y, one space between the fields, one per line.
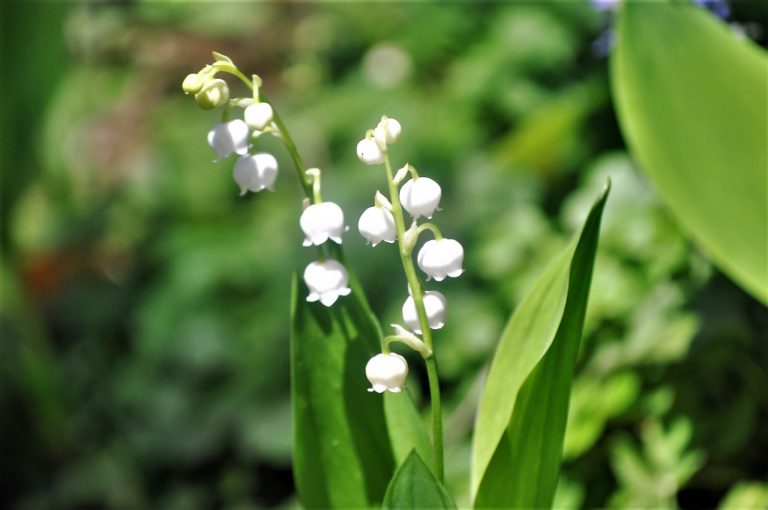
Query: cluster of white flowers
x=438 y=258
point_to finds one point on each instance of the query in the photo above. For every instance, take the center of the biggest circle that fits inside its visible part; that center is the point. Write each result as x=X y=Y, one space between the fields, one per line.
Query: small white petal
x=387 y=372
x=258 y=116
x=321 y=222
x=377 y=224
x=369 y=152
x=388 y=130
x=420 y=197
x=255 y=172
x=228 y=137
x=434 y=304
x=441 y=258
x=326 y=280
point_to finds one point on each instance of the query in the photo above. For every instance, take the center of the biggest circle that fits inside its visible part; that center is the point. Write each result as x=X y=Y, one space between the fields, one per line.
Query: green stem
x=418 y=298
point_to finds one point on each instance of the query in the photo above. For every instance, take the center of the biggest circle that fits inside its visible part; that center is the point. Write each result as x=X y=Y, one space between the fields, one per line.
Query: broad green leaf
x=406 y=429
x=521 y=421
x=691 y=98
x=342 y=452
x=414 y=486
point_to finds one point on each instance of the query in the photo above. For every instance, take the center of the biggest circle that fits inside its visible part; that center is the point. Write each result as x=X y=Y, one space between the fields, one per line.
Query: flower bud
x=327 y=280
x=420 y=197
x=213 y=94
x=440 y=258
x=192 y=83
x=255 y=172
x=228 y=137
x=258 y=116
x=369 y=152
x=377 y=224
x=387 y=372
x=388 y=130
x=321 y=222
x=434 y=304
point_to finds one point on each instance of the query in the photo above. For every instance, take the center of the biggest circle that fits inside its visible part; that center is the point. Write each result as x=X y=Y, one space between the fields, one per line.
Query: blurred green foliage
x=144 y=351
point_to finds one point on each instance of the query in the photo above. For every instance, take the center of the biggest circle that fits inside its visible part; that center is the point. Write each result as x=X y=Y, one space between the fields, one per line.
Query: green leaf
x=691 y=100
x=406 y=429
x=521 y=421
x=342 y=451
x=414 y=486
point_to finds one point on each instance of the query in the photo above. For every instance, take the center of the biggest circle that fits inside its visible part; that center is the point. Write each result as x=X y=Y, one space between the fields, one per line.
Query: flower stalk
x=418 y=298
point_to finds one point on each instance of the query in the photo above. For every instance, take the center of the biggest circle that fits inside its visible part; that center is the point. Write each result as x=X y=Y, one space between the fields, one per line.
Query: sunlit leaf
x=342 y=451
x=691 y=98
x=414 y=486
x=522 y=416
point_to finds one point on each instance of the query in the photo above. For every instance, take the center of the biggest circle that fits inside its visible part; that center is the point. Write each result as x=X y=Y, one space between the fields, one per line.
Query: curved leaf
x=522 y=416
x=414 y=486
x=342 y=452
x=691 y=98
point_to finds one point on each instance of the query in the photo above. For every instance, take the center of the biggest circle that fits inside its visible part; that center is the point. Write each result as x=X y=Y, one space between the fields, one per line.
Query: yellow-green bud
x=192 y=83
x=215 y=93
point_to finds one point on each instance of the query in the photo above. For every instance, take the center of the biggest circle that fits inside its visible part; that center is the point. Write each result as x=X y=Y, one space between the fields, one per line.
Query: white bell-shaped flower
x=321 y=222
x=388 y=130
x=258 y=116
x=387 y=372
x=228 y=137
x=377 y=224
x=212 y=94
x=369 y=152
x=434 y=304
x=420 y=197
x=440 y=258
x=327 y=280
x=255 y=172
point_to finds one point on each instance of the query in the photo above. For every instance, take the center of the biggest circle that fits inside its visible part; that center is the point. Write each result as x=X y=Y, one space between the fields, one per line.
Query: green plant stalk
x=418 y=298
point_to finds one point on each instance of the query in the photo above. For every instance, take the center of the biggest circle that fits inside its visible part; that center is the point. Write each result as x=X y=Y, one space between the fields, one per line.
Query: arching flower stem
x=429 y=226
x=418 y=297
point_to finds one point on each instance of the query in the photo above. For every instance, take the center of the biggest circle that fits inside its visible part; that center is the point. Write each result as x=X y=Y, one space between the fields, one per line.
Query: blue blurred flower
x=719 y=8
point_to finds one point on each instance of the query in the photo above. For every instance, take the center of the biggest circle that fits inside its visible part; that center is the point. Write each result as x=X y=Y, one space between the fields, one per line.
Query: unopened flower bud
x=255 y=172
x=258 y=116
x=440 y=258
x=327 y=280
x=369 y=152
x=192 y=83
x=377 y=224
x=321 y=222
x=388 y=130
x=214 y=93
x=387 y=372
x=420 y=197
x=228 y=137
x=434 y=304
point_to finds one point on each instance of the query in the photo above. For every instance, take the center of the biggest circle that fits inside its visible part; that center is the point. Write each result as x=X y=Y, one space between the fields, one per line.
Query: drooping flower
x=420 y=197
x=388 y=130
x=369 y=152
x=377 y=224
x=327 y=280
x=387 y=372
x=228 y=137
x=321 y=222
x=255 y=172
x=434 y=304
x=440 y=258
x=193 y=83
x=214 y=93
x=258 y=116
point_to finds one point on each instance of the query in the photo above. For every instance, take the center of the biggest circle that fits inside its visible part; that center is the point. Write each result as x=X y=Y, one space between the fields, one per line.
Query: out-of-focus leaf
x=414 y=486
x=523 y=411
x=691 y=101
x=746 y=495
x=342 y=453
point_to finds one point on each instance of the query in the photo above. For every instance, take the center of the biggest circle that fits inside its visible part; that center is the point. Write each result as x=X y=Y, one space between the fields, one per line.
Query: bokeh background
x=144 y=355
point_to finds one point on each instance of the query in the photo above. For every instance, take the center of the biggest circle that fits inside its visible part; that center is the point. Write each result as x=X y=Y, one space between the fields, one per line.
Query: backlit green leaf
x=691 y=98
x=414 y=486
x=342 y=452
x=521 y=421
